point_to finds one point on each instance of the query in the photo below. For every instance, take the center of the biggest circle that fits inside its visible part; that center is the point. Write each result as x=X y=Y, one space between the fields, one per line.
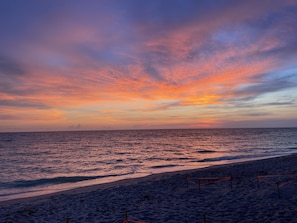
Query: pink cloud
x=74 y=60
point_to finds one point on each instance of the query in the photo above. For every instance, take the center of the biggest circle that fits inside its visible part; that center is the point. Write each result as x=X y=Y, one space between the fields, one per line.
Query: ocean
x=46 y=162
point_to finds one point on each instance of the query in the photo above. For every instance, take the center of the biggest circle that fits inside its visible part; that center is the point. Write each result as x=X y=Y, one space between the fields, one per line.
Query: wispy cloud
x=10 y=67
x=170 y=56
x=23 y=104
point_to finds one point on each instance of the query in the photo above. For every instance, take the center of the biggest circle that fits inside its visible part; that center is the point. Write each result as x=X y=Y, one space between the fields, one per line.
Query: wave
x=238 y=157
x=291 y=148
x=206 y=151
x=6 y=140
x=164 y=166
x=19 y=192
x=221 y=158
x=53 y=181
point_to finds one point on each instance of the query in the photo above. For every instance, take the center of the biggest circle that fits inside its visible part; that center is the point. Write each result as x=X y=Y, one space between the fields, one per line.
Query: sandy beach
x=252 y=191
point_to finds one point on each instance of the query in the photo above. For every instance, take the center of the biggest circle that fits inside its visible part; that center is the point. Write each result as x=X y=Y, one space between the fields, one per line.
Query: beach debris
x=204 y=217
x=127 y=220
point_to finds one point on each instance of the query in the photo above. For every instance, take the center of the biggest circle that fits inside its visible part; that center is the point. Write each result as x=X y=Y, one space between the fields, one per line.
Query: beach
x=252 y=191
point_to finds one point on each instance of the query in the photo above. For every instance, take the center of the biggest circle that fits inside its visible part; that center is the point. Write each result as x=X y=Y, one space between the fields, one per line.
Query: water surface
x=46 y=162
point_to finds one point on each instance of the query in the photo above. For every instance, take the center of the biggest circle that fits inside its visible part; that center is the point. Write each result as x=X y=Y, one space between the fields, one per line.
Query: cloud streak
x=168 y=57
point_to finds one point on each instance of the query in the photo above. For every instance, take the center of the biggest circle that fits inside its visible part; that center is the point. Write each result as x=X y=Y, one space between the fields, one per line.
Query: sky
x=138 y=64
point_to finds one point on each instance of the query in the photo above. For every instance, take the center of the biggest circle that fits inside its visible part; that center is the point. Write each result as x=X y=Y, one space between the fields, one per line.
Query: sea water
x=46 y=162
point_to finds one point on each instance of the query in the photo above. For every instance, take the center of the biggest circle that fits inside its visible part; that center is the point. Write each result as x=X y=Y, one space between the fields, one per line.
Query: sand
x=232 y=194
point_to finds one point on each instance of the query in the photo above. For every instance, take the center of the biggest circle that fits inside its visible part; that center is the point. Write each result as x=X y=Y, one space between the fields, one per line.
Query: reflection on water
x=42 y=162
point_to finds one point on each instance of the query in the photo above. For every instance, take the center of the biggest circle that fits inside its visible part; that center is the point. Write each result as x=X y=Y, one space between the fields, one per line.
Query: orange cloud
x=128 y=67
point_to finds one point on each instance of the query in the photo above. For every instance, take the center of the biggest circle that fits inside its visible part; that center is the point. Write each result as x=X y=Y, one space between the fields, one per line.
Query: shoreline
x=147 y=190
x=128 y=181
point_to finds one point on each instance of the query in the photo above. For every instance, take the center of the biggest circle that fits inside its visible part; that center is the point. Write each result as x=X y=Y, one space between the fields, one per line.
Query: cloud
x=185 y=54
x=163 y=106
x=21 y=103
x=268 y=84
x=8 y=117
x=10 y=67
x=262 y=123
x=258 y=114
x=75 y=127
x=257 y=102
x=285 y=103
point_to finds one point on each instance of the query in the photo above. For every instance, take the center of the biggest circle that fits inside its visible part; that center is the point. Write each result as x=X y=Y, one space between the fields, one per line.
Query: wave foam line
x=55 y=180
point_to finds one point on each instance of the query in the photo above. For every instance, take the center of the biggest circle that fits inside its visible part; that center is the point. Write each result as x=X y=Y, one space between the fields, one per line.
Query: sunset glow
x=88 y=65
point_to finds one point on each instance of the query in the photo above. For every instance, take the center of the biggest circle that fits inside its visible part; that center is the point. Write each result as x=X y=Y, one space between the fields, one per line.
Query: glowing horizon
x=98 y=65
